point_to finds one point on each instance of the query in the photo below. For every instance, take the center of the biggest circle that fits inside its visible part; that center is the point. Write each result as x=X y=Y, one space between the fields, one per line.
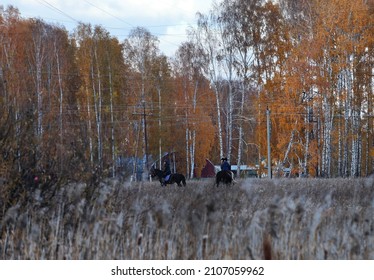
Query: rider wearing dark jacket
x=166 y=170
x=225 y=165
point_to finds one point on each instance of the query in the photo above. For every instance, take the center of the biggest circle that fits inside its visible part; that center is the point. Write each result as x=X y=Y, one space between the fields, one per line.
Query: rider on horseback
x=167 y=171
x=225 y=166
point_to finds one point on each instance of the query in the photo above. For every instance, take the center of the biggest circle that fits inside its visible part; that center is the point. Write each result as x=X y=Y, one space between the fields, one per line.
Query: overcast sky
x=166 y=19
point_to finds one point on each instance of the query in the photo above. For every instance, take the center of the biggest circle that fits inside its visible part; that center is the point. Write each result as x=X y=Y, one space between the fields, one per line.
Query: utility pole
x=145 y=136
x=268 y=139
x=144 y=117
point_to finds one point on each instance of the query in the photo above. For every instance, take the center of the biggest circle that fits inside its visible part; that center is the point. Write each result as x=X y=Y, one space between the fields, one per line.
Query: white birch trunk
x=144 y=142
x=112 y=140
x=345 y=135
x=356 y=123
x=89 y=128
x=187 y=149
x=288 y=148
x=61 y=99
x=38 y=81
x=305 y=169
x=218 y=108
x=241 y=134
x=340 y=93
x=193 y=132
x=97 y=106
x=327 y=130
x=159 y=126
x=230 y=108
x=192 y=137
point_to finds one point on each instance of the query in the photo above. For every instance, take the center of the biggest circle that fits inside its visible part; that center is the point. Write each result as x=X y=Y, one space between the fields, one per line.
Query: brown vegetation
x=255 y=219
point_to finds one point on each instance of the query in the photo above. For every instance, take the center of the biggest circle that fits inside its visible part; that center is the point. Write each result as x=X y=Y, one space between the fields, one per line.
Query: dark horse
x=174 y=177
x=225 y=177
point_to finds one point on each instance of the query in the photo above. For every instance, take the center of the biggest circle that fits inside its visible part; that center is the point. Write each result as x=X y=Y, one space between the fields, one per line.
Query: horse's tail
x=232 y=177
x=183 y=180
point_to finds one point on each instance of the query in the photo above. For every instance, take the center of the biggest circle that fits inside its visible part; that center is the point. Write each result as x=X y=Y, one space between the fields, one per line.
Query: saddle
x=167 y=178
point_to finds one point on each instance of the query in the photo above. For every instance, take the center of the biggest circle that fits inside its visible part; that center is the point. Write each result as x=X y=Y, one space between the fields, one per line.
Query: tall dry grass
x=255 y=219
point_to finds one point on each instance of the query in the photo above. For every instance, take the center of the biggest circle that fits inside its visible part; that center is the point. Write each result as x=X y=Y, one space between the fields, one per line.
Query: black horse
x=225 y=177
x=174 y=177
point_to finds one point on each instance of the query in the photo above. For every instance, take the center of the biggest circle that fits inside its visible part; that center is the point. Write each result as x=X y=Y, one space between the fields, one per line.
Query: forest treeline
x=74 y=103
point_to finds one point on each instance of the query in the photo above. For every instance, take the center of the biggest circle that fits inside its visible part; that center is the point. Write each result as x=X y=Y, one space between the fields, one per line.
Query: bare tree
x=208 y=40
x=140 y=49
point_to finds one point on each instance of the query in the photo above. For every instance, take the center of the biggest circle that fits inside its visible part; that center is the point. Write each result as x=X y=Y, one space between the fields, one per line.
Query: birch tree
x=239 y=20
x=37 y=58
x=97 y=53
x=344 y=27
x=189 y=68
x=140 y=49
x=206 y=38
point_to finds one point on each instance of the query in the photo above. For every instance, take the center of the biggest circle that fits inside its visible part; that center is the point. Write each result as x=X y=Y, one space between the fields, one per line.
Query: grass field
x=254 y=219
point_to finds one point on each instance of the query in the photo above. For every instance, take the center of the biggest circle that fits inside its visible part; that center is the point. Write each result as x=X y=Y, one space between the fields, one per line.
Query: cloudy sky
x=166 y=19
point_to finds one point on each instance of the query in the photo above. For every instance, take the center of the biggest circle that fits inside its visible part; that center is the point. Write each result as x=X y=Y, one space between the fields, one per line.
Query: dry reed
x=255 y=219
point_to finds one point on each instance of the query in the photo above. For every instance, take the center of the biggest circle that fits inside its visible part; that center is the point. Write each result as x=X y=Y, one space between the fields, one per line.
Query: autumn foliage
x=73 y=104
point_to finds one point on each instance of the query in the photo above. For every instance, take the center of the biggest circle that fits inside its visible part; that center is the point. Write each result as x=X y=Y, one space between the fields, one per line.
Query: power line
x=121 y=20
x=166 y=41
x=52 y=7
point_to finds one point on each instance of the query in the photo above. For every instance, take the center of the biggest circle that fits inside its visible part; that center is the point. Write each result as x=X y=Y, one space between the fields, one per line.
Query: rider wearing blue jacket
x=166 y=170
x=225 y=165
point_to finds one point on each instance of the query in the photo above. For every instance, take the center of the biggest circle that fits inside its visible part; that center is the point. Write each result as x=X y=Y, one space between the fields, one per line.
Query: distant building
x=129 y=167
x=208 y=170
x=246 y=171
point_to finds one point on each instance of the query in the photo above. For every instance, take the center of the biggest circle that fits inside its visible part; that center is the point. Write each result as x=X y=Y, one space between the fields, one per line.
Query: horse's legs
x=162 y=181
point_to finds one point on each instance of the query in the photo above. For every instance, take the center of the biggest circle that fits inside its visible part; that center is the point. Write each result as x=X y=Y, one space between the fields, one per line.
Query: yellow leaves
x=342 y=23
x=371 y=152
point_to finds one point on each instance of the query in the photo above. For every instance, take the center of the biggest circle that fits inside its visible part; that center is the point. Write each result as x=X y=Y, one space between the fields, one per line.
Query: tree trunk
x=241 y=134
x=187 y=149
x=89 y=126
x=327 y=130
x=97 y=105
x=159 y=127
x=218 y=108
x=193 y=132
x=61 y=99
x=112 y=139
